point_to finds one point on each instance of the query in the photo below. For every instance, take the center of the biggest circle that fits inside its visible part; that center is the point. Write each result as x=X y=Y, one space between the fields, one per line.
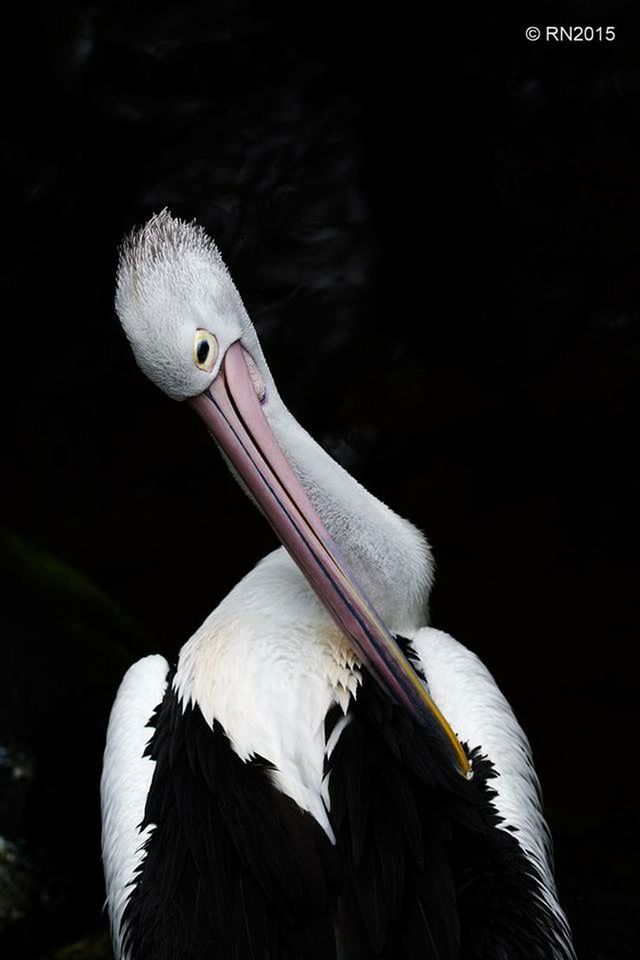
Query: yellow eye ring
x=205 y=350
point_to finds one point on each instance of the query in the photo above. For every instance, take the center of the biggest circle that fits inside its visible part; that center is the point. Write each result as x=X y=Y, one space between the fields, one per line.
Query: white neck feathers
x=390 y=558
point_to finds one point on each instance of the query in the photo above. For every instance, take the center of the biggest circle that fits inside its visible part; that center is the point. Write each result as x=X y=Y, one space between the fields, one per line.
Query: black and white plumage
x=292 y=789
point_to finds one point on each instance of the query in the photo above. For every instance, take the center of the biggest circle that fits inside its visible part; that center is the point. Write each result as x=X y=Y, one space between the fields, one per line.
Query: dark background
x=435 y=225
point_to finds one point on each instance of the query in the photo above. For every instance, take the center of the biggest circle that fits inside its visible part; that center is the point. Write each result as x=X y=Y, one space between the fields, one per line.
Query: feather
x=233 y=867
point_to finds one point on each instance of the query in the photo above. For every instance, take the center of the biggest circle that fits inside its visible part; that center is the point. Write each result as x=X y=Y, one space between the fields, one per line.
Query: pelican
x=321 y=774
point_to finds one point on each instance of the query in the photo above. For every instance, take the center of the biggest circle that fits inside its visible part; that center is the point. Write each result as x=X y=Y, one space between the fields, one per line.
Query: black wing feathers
x=397 y=895
x=427 y=874
x=232 y=868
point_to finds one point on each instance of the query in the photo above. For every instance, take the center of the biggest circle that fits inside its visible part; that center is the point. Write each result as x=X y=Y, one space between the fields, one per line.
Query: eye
x=205 y=350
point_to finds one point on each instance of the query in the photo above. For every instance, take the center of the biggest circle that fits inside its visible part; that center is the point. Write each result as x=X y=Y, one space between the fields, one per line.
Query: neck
x=388 y=556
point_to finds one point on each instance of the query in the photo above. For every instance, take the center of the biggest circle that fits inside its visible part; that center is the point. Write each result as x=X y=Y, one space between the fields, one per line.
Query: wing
x=125 y=784
x=231 y=866
x=471 y=700
x=431 y=871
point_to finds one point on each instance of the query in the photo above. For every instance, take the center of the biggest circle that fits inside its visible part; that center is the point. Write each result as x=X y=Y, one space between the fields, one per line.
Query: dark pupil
x=203 y=351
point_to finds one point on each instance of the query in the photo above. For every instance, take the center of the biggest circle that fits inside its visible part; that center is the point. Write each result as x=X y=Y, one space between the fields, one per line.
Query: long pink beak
x=232 y=412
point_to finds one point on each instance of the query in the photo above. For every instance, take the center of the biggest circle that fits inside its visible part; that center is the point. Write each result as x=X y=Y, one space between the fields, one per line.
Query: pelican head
x=191 y=336
x=179 y=306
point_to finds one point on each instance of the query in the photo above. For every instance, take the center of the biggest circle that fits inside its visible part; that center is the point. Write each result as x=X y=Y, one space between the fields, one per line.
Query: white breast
x=268 y=664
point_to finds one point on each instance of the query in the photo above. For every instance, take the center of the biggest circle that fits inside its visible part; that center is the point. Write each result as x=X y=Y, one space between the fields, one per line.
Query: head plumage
x=172 y=281
x=162 y=241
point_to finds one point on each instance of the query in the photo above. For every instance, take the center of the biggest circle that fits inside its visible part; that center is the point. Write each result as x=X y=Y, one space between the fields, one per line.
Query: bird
x=321 y=774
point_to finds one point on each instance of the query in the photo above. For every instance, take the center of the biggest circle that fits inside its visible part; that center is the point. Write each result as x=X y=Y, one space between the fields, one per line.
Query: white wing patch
x=125 y=783
x=472 y=702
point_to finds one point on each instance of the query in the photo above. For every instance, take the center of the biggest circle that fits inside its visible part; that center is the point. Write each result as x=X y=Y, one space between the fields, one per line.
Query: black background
x=435 y=225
